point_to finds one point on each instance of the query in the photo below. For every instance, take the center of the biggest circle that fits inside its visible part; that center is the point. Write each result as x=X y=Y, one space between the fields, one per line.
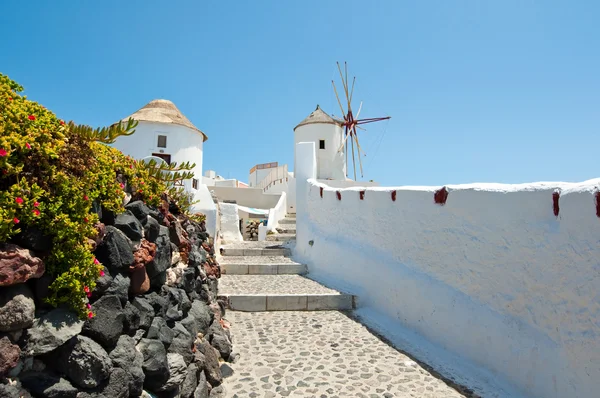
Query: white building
x=327 y=134
x=164 y=132
x=212 y=179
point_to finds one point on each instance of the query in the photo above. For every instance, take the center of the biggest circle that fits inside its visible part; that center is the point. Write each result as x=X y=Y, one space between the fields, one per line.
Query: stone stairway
x=295 y=337
x=286 y=231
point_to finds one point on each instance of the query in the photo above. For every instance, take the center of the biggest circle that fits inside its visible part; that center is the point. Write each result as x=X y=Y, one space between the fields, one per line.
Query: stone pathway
x=316 y=352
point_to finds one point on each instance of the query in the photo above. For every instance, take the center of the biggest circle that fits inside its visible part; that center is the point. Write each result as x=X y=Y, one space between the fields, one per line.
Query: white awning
x=252 y=210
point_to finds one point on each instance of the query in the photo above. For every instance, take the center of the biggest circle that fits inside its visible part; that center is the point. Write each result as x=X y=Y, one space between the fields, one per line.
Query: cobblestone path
x=310 y=353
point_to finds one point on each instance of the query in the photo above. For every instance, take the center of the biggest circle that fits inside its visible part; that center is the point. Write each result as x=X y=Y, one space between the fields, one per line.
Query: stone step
x=286 y=229
x=281 y=237
x=255 y=248
x=256 y=293
x=287 y=221
x=261 y=265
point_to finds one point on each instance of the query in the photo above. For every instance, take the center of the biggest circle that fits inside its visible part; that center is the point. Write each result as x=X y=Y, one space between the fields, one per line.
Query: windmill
x=351 y=122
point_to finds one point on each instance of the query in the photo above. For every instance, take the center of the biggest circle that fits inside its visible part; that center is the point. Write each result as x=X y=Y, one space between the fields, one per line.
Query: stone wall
x=156 y=330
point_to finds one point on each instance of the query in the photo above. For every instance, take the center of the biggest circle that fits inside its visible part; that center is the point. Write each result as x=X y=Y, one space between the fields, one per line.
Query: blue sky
x=478 y=91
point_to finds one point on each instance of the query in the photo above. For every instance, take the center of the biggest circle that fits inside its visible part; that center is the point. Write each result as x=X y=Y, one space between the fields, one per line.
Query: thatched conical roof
x=163 y=111
x=318 y=116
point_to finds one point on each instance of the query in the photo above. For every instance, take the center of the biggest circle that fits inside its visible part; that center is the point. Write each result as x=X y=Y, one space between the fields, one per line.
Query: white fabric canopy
x=252 y=210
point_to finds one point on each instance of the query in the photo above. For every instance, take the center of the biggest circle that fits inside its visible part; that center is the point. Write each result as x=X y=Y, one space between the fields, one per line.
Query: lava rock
x=151 y=229
x=127 y=357
x=182 y=342
x=18 y=265
x=84 y=361
x=188 y=280
x=189 y=323
x=159 y=330
x=120 y=288
x=140 y=282
x=13 y=391
x=140 y=210
x=162 y=259
x=177 y=298
x=117 y=385
x=146 y=311
x=52 y=330
x=177 y=372
x=212 y=368
x=158 y=302
x=203 y=389
x=130 y=226
x=102 y=284
x=107 y=325
x=202 y=314
x=131 y=319
x=9 y=355
x=196 y=257
x=191 y=381
x=17 y=308
x=177 y=234
x=33 y=238
x=47 y=385
x=115 y=251
x=155 y=365
x=219 y=339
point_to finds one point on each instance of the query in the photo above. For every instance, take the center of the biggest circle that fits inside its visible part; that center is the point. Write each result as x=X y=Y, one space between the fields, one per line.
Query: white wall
x=230 y=222
x=183 y=144
x=330 y=162
x=277 y=213
x=250 y=197
x=257 y=176
x=206 y=206
x=348 y=183
x=492 y=277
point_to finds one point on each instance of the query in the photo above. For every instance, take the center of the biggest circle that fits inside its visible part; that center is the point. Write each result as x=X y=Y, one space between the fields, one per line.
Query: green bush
x=51 y=172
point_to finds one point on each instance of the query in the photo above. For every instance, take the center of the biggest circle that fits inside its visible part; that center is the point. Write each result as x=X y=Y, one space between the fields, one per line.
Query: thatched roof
x=318 y=116
x=163 y=111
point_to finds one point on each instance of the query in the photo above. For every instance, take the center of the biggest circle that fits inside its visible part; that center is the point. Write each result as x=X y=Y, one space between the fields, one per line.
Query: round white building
x=164 y=132
x=327 y=134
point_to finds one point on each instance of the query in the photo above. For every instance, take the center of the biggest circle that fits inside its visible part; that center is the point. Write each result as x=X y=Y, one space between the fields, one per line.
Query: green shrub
x=50 y=174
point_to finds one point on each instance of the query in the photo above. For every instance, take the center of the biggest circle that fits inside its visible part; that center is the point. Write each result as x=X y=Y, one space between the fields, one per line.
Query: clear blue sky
x=478 y=91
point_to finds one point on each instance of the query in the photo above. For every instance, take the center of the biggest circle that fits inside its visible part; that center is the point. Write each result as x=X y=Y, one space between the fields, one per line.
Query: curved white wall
x=330 y=162
x=493 y=276
x=183 y=144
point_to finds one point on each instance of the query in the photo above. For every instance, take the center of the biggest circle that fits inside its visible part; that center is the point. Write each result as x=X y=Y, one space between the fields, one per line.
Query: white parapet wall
x=207 y=206
x=493 y=276
x=277 y=213
x=230 y=223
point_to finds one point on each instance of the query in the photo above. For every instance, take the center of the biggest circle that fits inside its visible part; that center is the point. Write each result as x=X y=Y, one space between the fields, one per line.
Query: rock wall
x=156 y=328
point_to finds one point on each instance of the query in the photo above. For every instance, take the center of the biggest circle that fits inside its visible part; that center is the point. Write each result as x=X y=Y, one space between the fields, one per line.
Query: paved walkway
x=308 y=353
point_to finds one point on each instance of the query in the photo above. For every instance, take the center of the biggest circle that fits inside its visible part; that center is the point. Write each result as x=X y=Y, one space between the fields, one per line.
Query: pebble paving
x=321 y=354
x=271 y=285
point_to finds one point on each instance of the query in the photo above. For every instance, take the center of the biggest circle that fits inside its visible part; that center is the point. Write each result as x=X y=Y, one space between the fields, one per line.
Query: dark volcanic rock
x=125 y=356
x=52 y=330
x=158 y=302
x=202 y=314
x=219 y=339
x=47 y=385
x=132 y=318
x=146 y=311
x=17 y=308
x=33 y=238
x=9 y=355
x=182 y=342
x=107 y=325
x=13 y=391
x=151 y=230
x=212 y=369
x=140 y=210
x=162 y=259
x=190 y=382
x=120 y=288
x=84 y=361
x=155 y=365
x=17 y=265
x=178 y=299
x=188 y=280
x=159 y=330
x=130 y=226
x=115 y=251
x=177 y=372
x=102 y=284
x=202 y=391
x=117 y=385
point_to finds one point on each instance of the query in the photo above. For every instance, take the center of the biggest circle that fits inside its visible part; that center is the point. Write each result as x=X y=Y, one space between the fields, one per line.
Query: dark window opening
x=321 y=144
x=162 y=141
x=165 y=157
x=195 y=183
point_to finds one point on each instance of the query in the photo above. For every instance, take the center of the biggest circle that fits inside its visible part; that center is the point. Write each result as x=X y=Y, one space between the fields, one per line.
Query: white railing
x=277 y=213
x=276 y=175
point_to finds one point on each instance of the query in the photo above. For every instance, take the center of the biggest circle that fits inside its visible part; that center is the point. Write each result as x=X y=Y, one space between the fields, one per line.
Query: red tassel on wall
x=440 y=196
x=598 y=204
x=362 y=195
x=321 y=191
x=393 y=196
x=339 y=195
x=555 y=207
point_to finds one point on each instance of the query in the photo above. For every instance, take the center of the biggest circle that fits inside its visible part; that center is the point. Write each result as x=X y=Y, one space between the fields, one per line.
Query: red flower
x=9 y=98
x=122 y=185
x=28 y=146
x=16 y=220
x=101 y=273
x=131 y=166
x=3 y=152
x=85 y=197
x=62 y=122
x=19 y=200
x=141 y=182
x=140 y=191
x=96 y=261
x=31 y=117
x=86 y=289
x=88 y=306
x=90 y=315
x=36 y=212
x=85 y=219
x=36 y=204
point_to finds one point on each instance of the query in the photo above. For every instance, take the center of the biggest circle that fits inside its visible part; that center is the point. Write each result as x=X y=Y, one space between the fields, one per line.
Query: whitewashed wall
x=183 y=144
x=230 y=223
x=330 y=162
x=493 y=276
x=207 y=206
x=250 y=197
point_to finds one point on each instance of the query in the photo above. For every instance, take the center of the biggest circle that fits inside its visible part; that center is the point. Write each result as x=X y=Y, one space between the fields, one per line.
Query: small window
x=195 y=183
x=162 y=141
x=321 y=144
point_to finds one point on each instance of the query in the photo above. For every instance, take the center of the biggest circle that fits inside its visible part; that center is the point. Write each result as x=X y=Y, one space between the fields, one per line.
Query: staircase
x=261 y=276
x=293 y=336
